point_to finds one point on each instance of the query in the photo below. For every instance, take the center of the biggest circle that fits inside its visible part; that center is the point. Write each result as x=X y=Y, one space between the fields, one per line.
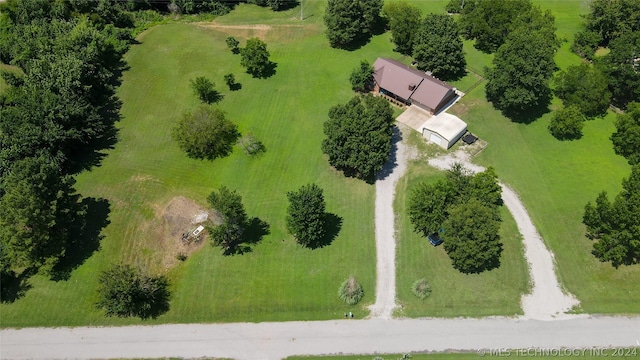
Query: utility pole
x=301 y=9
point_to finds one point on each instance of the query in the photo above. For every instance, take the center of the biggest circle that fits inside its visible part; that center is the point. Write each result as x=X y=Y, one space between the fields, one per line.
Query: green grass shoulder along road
x=543 y=354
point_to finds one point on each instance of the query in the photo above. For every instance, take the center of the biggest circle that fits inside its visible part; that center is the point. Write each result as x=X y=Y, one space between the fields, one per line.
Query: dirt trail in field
x=546 y=301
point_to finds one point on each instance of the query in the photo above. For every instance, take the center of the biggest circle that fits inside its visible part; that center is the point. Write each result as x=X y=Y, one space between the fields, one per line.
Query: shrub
x=232 y=44
x=362 y=77
x=206 y=133
x=567 y=123
x=421 y=289
x=127 y=291
x=181 y=257
x=351 y=291
x=205 y=90
x=251 y=145
x=230 y=80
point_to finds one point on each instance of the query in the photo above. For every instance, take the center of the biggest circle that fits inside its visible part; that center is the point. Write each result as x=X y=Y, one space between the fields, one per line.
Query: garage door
x=435 y=138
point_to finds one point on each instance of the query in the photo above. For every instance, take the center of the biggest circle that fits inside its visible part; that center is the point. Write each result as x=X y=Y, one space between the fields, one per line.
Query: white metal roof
x=446 y=125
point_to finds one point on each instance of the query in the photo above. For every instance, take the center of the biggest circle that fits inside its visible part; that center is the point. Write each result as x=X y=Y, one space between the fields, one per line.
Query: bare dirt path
x=546 y=301
x=279 y=340
x=385 y=229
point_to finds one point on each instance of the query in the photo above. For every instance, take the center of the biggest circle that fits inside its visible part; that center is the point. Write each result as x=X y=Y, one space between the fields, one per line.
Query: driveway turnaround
x=487 y=336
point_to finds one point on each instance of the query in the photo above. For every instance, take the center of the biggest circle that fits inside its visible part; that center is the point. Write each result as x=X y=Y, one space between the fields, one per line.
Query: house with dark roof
x=411 y=86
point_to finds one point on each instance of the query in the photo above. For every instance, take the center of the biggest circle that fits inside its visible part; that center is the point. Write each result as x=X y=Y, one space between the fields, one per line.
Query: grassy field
x=495 y=292
x=556 y=179
x=279 y=280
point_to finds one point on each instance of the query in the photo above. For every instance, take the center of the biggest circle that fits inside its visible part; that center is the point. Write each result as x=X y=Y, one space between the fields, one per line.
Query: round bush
x=351 y=291
x=421 y=289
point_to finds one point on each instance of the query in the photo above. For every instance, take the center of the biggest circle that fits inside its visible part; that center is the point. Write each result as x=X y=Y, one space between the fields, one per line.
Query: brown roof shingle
x=411 y=84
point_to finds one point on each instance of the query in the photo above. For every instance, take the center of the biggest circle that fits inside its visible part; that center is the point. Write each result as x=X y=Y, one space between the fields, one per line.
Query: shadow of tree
x=89 y=154
x=235 y=86
x=268 y=71
x=332 y=227
x=213 y=97
x=387 y=168
x=288 y=5
x=254 y=231
x=87 y=241
x=14 y=286
x=158 y=303
x=530 y=114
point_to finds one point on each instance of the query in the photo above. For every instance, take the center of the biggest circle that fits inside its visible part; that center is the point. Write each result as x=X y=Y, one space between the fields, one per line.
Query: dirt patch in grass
x=279 y=33
x=169 y=234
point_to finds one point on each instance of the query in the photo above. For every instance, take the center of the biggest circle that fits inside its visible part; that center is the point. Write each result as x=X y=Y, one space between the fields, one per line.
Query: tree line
x=56 y=117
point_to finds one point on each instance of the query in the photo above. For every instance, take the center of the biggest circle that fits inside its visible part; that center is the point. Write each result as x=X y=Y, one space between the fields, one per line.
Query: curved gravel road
x=546 y=301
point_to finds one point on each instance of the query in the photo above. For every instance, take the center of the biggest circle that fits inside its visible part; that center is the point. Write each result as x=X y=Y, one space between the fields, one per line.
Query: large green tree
x=403 y=19
x=626 y=139
x=429 y=203
x=489 y=22
x=39 y=214
x=522 y=68
x=255 y=58
x=229 y=233
x=351 y=21
x=608 y=19
x=306 y=218
x=438 y=47
x=622 y=67
x=584 y=86
x=471 y=237
x=615 y=224
x=358 y=136
x=206 y=133
x=126 y=291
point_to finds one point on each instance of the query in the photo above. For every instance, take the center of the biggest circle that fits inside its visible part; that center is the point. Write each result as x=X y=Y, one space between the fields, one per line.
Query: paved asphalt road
x=278 y=340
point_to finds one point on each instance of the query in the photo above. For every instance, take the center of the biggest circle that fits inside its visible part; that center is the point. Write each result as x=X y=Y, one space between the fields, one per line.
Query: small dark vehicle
x=435 y=239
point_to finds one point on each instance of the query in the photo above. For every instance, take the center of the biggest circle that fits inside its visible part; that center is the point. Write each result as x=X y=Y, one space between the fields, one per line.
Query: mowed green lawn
x=495 y=292
x=278 y=280
x=556 y=179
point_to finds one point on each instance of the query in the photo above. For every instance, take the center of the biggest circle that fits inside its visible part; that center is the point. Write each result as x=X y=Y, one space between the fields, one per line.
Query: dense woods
x=56 y=117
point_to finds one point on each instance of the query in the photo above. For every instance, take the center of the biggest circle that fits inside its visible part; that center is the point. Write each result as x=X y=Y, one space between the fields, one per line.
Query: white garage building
x=444 y=129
